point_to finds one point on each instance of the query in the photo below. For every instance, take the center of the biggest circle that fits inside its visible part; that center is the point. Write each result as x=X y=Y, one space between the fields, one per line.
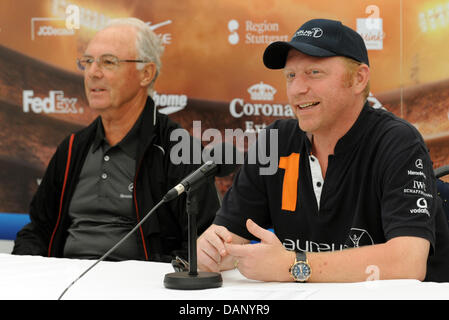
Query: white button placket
x=317 y=178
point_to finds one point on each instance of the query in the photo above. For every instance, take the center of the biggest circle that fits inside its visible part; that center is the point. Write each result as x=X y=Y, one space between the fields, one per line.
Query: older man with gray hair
x=104 y=179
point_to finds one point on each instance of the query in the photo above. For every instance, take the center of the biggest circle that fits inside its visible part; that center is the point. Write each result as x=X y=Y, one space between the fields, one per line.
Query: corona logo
x=262 y=91
x=259 y=92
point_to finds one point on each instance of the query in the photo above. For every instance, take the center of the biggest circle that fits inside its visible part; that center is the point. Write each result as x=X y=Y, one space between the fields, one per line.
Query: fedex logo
x=56 y=102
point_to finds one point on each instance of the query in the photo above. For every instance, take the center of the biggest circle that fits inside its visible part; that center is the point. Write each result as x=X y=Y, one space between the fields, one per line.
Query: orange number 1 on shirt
x=290 y=185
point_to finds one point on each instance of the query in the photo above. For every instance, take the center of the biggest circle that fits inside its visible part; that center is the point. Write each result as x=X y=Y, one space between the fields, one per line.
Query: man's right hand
x=211 y=252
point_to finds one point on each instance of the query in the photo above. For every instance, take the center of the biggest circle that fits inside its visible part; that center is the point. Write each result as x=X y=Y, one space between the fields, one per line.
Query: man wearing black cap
x=354 y=197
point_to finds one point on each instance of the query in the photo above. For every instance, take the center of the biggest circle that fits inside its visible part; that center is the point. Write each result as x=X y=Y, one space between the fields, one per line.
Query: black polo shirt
x=101 y=208
x=379 y=185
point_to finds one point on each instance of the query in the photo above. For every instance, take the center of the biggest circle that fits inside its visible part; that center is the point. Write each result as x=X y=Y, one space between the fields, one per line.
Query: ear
x=147 y=74
x=361 y=78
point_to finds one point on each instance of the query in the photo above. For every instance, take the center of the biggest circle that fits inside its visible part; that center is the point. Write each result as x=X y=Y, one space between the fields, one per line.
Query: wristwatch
x=300 y=270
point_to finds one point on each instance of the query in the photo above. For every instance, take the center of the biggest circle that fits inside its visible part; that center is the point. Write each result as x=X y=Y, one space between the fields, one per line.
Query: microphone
x=113 y=248
x=193 y=180
x=208 y=169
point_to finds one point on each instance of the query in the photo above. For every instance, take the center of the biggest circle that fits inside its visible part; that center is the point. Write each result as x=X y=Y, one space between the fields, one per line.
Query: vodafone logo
x=422 y=205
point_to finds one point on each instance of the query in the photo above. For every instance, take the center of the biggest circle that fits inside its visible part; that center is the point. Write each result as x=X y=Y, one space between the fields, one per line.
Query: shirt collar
x=354 y=134
x=351 y=137
x=128 y=144
x=99 y=136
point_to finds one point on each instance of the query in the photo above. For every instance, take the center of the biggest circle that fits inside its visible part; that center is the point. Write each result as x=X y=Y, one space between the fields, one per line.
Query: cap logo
x=314 y=32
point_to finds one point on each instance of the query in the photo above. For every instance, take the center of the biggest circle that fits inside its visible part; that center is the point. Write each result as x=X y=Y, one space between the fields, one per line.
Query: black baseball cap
x=319 y=38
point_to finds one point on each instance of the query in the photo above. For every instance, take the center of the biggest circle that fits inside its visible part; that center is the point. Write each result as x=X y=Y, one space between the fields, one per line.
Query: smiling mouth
x=97 y=90
x=307 y=105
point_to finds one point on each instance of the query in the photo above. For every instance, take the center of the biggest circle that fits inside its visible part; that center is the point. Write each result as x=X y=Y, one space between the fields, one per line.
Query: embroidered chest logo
x=359 y=237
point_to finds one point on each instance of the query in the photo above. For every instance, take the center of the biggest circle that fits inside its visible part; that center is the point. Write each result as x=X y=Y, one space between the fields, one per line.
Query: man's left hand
x=265 y=261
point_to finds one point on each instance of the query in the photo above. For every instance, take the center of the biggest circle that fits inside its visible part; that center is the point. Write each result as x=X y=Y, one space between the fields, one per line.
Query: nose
x=94 y=71
x=298 y=86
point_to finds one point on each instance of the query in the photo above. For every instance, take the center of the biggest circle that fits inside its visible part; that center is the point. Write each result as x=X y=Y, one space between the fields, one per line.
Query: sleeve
x=34 y=238
x=409 y=200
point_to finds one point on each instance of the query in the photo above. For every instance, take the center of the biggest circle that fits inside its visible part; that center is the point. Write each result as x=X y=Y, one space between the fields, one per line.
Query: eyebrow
x=104 y=54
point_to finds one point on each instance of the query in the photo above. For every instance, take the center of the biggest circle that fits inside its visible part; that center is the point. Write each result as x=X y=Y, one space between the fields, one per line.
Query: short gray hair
x=148 y=44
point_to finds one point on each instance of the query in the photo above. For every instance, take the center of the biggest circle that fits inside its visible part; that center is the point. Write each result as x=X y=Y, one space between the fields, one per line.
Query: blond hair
x=351 y=68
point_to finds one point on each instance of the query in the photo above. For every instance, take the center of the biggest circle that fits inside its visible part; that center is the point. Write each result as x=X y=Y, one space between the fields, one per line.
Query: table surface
x=33 y=277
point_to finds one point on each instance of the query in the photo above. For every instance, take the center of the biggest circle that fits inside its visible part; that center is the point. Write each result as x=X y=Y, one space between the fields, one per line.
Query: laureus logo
x=314 y=32
x=359 y=237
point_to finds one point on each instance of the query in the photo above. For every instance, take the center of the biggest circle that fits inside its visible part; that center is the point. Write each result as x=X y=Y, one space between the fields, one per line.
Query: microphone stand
x=192 y=279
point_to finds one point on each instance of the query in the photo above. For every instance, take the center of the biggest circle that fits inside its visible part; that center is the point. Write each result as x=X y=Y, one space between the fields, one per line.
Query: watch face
x=301 y=271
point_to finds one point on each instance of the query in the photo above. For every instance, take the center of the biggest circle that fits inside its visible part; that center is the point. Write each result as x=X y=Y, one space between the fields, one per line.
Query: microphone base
x=185 y=281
